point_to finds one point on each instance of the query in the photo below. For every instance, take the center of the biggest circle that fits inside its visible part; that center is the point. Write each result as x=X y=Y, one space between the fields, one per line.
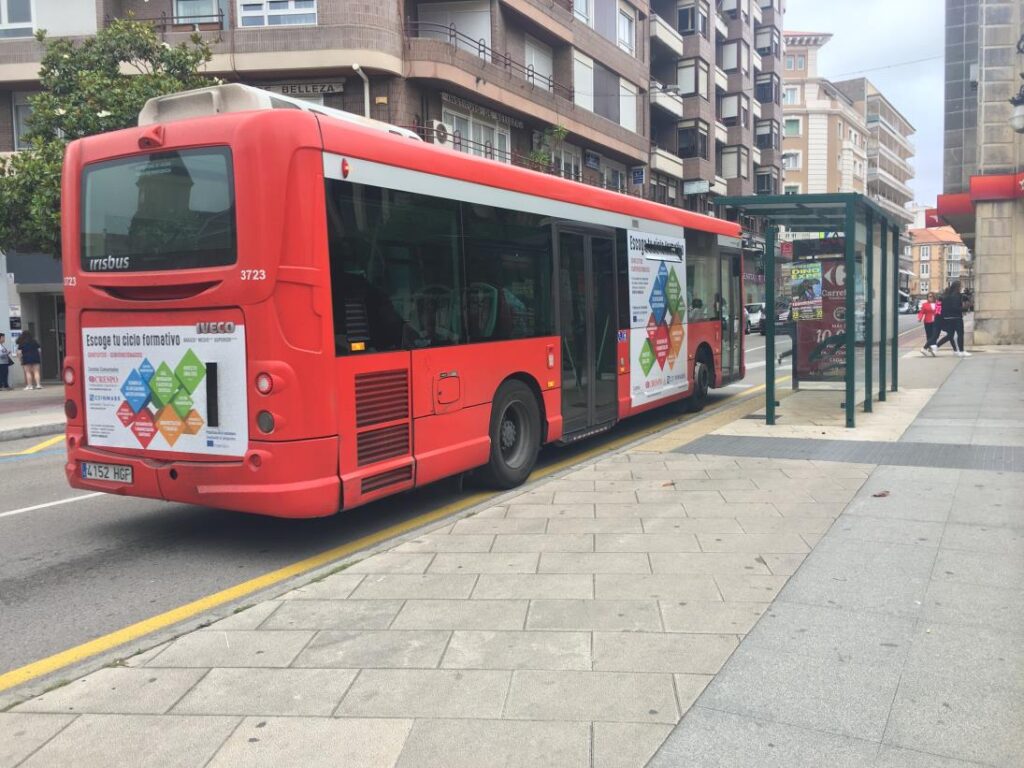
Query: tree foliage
x=87 y=88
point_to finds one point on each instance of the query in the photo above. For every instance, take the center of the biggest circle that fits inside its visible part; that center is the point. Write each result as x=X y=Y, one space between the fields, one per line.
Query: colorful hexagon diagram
x=146 y=370
x=652 y=328
x=190 y=371
x=646 y=357
x=163 y=385
x=143 y=428
x=658 y=299
x=673 y=290
x=125 y=413
x=193 y=423
x=181 y=403
x=676 y=337
x=169 y=424
x=661 y=345
x=135 y=391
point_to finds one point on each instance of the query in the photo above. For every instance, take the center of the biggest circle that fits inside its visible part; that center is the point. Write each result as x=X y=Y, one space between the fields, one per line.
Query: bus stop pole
x=896 y=309
x=850 y=281
x=883 y=349
x=769 y=323
x=869 y=314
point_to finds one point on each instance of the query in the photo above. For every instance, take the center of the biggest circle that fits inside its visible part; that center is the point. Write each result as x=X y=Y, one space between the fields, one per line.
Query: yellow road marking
x=189 y=610
x=38 y=447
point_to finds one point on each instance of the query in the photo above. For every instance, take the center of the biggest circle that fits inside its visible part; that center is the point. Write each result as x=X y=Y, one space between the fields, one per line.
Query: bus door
x=587 y=324
x=733 y=327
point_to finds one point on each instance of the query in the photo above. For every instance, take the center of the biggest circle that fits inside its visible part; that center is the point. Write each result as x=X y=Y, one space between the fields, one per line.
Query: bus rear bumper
x=294 y=479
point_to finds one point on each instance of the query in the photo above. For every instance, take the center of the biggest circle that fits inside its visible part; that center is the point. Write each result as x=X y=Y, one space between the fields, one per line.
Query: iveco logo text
x=226 y=327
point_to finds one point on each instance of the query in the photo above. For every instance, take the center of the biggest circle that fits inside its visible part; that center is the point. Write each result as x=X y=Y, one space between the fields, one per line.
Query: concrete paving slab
x=594 y=562
x=293 y=692
x=471 y=562
x=590 y=696
x=879 y=592
x=733 y=510
x=553 y=511
x=646 y=542
x=432 y=542
x=461 y=614
x=430 y=693
x=780 y=525
x=973 y=655
x=155 y=741
x=590 y=615
x=984 y=568
x=626 y=745
x=689 y=688
x=22 y=733
x=334 y=614
x=710 y=617
x=926 y=508
x=118 y=690
x=782 y=565
x=753 y=588
x=495 y=744
x=403 y=587
x=477 y=527
x=897 y=757
x=713 y=563
x=805 y=509
x=983 y=538
x=594 y=497
x=887 y=529
x=320 y=742
x=661 y=587
x=671 y=509
x=806 y=691
x=250 y=617
x=759 y=543
x=691 y=525
x=598 y=525
x=847 y=558
x=338 y=586
x=711 y=739
x=357 y=649
x=241 y=648
x=964 y=721
x=393 y=562
x=533 y=586
x=548 y=542
x=701 y=654
x=971 y=604
x=518 y=650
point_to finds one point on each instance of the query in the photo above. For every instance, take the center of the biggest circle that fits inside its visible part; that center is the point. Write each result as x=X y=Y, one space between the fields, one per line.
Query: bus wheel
x=515 y=435
x=702 y=383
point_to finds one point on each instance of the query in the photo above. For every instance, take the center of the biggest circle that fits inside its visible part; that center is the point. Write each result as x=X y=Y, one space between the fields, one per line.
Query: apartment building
x=938 y=257
x=825 y=136
x=983 y=170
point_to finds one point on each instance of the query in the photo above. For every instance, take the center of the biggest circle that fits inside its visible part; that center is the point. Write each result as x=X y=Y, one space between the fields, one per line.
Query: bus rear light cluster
x=264 y=383
x=70 y=409
x=69 y=375
x=265 y=421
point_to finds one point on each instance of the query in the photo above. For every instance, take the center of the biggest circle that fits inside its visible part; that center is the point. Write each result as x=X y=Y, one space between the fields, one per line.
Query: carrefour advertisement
x=657 y=309
x=174 y=388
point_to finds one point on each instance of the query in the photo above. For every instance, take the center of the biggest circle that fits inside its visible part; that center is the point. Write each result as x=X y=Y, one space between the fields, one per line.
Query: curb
x=36 y=430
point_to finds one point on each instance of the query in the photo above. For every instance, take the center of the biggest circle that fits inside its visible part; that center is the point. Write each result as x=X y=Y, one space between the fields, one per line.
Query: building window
x=694 y=77
x=276 y=13
x=735 y=163
x=926 y=252
x=767 y=41
x=791 y=189
x=693 y=139
x=801 y=62
x=664 y=189
x=22 y=110
x=790 y=62
x=925 y=286
x=926 y=269
x=479 y=137
x=566 y=160
x=613 y=175
x=627 y=29
x=766 y=182
x=16 y=18
x=791 y=161
x=766 y=134
x=694 y=18
x=540 y=63
x=791 y=95
x=793 y=127
x=627 y=105
x=734 y=109
x=583 y=80
x=734 y=55
x=196 y=11
x=581 y=9
x=766 y=88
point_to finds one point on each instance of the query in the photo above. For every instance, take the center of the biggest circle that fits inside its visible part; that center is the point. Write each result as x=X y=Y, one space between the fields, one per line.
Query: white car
x=755 y=315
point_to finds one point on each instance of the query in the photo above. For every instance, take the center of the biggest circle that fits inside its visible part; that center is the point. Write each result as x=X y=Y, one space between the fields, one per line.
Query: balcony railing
x=165 y=22
x=450 y=34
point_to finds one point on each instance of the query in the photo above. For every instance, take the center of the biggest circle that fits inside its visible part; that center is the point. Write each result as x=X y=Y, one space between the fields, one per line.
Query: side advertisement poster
x=821 y=341
x=805 y=290
x=657 y=311
x=166 y=388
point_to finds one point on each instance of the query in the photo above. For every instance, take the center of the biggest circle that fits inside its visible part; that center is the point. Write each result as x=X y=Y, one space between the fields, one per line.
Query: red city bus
x=289 y=311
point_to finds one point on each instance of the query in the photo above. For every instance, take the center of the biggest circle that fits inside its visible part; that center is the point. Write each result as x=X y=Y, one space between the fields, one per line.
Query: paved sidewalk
x=32 y=413
x=576 y=622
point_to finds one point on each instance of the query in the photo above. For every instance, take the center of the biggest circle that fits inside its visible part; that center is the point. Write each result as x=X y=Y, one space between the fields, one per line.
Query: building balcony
x=667 y=99
x=662 y=32
x=663 y=161
x=698 y=47
x=876 y=123
x=698 y=108
x=884 y=178
x=900 y=214
x=169 y=22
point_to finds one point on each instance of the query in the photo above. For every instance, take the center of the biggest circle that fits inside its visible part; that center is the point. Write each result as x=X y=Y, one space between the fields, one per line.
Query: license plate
x=113 y=473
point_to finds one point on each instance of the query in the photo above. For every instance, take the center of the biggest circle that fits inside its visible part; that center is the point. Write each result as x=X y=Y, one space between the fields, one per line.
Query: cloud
x=876 y=39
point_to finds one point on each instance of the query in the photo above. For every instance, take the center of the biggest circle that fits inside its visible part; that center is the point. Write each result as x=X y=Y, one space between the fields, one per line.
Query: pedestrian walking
x=6 y=361
x=31 y=356
x=953 y=319
x=928 y=314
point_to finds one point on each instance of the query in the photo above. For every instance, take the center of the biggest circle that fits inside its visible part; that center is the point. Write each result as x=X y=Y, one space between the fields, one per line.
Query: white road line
x=50 y=504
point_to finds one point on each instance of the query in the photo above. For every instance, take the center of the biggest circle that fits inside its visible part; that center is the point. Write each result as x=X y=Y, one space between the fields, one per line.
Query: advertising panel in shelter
x=657 y=310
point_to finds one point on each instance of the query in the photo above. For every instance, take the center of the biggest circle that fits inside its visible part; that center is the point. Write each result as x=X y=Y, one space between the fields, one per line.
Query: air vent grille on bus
x=384 y=479
x=380 y=444
x=381 y=396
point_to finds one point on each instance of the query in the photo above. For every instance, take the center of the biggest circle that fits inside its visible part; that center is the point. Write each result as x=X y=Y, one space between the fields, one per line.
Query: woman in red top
x=928 y=314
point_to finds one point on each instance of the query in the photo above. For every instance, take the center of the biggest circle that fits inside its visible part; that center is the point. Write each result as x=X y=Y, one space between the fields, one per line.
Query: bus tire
x=701 y=385
x=515 y=435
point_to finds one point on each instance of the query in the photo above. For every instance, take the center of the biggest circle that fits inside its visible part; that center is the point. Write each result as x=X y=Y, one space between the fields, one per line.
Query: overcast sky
x=876 y=39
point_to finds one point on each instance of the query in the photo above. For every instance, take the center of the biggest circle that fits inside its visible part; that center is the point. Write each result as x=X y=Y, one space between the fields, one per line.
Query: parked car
x=755 y=314
x=908 y=304
x=781 y=317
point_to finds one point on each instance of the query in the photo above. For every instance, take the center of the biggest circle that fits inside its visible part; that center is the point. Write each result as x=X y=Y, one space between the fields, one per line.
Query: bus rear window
x=167 y=210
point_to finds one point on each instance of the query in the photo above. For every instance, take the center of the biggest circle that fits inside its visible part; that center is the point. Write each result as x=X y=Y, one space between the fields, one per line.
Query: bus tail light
x=265 y=421
x=69 y=375
x=264 y=383
x=70 y=409
x=551 y=356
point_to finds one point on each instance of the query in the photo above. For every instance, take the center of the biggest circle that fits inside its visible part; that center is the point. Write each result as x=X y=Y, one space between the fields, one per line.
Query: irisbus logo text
x=225 y=327
x=109 y=263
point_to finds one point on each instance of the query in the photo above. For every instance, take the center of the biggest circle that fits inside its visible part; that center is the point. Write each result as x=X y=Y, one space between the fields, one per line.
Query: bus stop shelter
x=832 y=285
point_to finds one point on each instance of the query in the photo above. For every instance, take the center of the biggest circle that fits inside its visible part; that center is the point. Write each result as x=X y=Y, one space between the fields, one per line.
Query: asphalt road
x=79 y=570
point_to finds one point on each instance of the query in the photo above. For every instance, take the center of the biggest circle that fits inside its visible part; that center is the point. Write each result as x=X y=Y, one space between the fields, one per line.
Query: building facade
x=938 y=257
x=983 y=169
x=825 y=136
